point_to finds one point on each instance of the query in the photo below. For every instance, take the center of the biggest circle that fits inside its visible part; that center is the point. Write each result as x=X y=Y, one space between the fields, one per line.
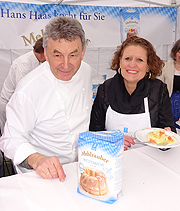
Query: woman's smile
x=132 y=71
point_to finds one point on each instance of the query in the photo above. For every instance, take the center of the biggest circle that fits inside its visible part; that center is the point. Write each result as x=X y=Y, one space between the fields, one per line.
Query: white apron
x=128 y=123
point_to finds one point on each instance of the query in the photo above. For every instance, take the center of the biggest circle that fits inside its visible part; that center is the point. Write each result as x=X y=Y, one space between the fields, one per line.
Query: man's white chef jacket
x=19 y=68
x=45 y=115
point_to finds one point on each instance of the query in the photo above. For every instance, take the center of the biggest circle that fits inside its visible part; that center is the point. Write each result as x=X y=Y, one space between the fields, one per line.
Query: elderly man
x=51 y=105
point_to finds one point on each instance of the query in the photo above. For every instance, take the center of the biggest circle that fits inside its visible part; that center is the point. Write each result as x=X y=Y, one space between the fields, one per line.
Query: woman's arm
x=98 y=113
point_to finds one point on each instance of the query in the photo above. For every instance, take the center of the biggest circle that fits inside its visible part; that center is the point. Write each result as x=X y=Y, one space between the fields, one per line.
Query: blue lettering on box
x=125 y=130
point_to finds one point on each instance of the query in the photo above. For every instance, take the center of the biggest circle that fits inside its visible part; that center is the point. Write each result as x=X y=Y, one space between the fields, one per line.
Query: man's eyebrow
x=56 y=51
x=75 y=51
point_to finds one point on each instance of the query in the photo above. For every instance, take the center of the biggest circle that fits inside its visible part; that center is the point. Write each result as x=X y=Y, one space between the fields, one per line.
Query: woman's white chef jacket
x=167 y=76
x=45 y=115
x=19 y=68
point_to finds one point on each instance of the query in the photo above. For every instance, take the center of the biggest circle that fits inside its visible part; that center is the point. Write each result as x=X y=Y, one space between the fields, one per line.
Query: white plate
x=142 y=136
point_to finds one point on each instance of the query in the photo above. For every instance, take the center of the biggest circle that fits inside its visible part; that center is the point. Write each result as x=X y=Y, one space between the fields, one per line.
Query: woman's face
x=133 y=64
x=178 y=56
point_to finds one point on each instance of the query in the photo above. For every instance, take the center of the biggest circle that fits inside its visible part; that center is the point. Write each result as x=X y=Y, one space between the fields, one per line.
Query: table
x=151 y=182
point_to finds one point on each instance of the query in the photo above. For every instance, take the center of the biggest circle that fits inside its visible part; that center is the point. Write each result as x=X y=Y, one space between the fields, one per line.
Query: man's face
x=64 y=57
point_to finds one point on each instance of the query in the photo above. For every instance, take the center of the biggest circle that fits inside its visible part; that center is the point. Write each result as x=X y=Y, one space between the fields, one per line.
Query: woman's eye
x=127 y=58
x=140 y=60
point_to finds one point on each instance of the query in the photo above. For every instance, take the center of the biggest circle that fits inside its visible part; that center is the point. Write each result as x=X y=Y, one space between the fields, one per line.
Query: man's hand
x=46 y=167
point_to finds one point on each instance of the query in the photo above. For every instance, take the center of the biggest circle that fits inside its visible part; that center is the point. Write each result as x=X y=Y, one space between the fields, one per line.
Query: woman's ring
x=47 y=173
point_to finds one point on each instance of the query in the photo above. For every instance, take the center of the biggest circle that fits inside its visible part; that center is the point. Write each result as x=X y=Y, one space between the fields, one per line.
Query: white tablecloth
x=151 y=182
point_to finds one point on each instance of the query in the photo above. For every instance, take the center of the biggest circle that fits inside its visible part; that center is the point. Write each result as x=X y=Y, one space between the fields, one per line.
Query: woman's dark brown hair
x=154 y=62
x=175 y=49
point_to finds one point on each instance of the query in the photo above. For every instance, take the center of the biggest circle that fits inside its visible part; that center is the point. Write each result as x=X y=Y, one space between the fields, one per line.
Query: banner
x=23 y=24
x=105 y=28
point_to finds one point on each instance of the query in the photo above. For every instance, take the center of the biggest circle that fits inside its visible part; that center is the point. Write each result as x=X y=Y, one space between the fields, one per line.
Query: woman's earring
x=119 y=70
x=149 y=75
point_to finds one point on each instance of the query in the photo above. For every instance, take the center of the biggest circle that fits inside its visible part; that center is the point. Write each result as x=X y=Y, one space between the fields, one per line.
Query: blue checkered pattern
x=96 y=140
x=20 y=7
x=113 y=12
x=169 y=12
x=130 y=13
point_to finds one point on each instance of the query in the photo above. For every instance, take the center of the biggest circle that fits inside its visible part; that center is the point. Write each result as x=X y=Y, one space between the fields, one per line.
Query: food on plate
x=94 y=182
x=159 y=136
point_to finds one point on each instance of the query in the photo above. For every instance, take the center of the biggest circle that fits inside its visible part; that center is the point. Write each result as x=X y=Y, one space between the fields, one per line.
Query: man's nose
x=65 y=63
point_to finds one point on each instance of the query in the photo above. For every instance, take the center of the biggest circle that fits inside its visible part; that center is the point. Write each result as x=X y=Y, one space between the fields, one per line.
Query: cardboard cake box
x=100 y=161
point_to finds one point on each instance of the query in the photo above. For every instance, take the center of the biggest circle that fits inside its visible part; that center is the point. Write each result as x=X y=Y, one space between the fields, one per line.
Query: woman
x=171 y=71
x=171 y=76
x=133 y=99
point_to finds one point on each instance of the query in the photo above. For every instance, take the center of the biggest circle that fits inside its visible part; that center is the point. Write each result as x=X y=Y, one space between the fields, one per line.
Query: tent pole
x=173 y=3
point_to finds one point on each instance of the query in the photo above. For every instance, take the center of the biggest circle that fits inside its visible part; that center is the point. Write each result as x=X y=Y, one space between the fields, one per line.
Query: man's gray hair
x=63 y=28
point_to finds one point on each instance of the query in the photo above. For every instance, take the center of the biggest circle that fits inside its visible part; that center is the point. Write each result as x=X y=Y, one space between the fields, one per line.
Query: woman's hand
x=128 y=140
x=167 y=128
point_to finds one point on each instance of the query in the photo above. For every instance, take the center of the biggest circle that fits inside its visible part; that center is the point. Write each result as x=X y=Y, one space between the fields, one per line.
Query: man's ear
x=45 y=55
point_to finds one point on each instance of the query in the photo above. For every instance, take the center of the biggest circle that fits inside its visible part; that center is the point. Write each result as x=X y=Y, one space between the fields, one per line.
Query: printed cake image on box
x=100 y=165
